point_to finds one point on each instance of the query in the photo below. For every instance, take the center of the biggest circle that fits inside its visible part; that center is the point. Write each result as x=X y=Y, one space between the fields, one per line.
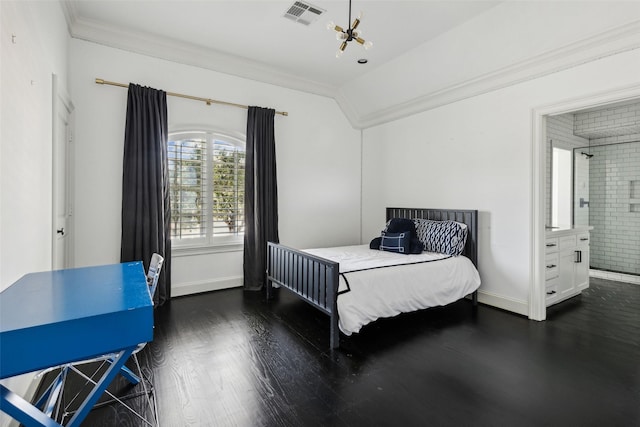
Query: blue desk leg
x=100 y=387
x=128 y=374
x=23 y=411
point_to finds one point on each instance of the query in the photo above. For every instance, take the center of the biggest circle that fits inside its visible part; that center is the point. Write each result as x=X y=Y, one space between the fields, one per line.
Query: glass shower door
x=580 y=187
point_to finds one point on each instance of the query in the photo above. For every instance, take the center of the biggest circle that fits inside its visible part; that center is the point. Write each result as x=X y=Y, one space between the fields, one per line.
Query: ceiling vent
x=303 y=12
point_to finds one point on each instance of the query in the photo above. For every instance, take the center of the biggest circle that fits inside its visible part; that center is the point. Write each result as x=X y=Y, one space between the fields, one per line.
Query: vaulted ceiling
x=425 y=53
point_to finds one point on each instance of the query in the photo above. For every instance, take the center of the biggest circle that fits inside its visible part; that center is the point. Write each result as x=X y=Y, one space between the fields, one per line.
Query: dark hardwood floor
x=229 y=359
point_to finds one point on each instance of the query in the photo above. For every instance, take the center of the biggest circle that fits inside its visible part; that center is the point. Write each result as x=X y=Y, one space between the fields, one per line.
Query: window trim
x=204 y=245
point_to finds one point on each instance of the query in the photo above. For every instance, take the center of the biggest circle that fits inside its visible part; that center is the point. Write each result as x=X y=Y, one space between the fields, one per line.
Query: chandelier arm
x=349 y=34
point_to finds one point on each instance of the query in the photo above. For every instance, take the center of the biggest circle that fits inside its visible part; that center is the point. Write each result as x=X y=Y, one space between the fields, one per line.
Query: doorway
x=541 y=191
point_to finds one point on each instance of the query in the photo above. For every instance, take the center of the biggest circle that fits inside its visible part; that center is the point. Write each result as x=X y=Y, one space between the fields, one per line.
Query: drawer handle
x=584 y=238
x=578 y=256
x=551 y=293
x=550 y=245
x=551 y=266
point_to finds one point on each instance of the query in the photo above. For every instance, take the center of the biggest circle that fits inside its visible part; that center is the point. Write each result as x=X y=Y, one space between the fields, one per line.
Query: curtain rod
x=208 y=101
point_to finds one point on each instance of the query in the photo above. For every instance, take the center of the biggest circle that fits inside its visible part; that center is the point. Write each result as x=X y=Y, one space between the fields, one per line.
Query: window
x=206 y=184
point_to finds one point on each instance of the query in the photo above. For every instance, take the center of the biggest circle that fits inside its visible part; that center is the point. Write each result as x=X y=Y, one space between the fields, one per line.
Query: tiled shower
x=613 y=150
x=614 y=209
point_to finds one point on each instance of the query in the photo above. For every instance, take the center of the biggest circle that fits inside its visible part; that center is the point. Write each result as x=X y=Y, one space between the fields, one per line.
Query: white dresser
x=566 y=263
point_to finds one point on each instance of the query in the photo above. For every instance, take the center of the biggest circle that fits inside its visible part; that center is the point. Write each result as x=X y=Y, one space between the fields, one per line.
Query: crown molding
x=184 y=53
x=607 y=43
x=70 y=12
x=348 y=109
x=611 y=42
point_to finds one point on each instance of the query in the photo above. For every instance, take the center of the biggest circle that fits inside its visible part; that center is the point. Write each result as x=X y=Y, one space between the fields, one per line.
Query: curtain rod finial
x=100 y=81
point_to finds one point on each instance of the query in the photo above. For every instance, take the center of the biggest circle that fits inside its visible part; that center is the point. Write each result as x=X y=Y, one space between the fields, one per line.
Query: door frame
x=537 y=303
x=62 y=105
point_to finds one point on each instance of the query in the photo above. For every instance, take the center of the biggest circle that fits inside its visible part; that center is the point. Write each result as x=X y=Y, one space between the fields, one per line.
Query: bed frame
x=315 y=280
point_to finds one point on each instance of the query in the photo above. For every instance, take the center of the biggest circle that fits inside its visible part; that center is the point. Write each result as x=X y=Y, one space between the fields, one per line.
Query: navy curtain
x=261 y=196
x=146 y=206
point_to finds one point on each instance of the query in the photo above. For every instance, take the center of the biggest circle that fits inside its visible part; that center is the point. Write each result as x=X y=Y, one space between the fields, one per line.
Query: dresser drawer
x=551 y=291
x=583 y=238
x=551 y=269
x=551 y=245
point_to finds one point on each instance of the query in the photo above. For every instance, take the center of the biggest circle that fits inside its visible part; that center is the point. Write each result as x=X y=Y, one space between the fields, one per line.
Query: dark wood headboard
x=469 y=217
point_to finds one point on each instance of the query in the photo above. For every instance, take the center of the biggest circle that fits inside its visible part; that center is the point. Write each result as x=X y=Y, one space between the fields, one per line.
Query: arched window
x=206 y=183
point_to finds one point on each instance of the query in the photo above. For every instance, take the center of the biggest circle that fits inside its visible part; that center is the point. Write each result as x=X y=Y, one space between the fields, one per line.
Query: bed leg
x=269 y=290
x=474 y=298
x=334 y=339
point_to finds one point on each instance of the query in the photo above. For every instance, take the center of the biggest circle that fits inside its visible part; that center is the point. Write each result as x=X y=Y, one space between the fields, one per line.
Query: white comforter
x=406 y=283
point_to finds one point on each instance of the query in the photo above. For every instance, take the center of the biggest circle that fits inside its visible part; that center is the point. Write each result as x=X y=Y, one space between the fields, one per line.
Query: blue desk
x=51 y=318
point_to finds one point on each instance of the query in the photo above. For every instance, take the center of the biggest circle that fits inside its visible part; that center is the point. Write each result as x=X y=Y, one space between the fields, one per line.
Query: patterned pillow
x=398 y=225
x=396 y=242
x=445 y=237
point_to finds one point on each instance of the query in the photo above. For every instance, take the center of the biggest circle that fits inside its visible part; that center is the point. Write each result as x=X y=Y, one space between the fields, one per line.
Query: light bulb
x=341 y=49
x=341 y=36
x=357 y=33
x=368 y=45
x=331 y=25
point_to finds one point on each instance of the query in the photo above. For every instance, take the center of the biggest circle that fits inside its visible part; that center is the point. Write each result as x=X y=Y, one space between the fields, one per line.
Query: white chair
x=50 y=401
x=153 y=273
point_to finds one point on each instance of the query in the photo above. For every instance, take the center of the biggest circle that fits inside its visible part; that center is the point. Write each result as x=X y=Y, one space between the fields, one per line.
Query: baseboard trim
x=504 y=303
x=190 y=288
x=617 y=277
x=484 y=297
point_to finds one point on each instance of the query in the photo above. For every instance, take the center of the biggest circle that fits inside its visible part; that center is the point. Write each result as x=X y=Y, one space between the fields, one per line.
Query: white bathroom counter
x=567 y=230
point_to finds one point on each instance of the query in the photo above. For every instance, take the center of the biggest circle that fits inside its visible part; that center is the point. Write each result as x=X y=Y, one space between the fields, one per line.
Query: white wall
x=476 y=154
x=38 y=50
x=508 y=43
x=318 y=155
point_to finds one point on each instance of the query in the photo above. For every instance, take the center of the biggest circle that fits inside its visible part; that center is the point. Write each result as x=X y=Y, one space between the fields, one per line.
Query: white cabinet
x=566 y=279
x=582 y=267
x=552 y=270
x=566 y=264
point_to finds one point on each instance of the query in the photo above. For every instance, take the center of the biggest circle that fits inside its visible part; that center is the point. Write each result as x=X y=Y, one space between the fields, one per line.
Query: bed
x=341 y=282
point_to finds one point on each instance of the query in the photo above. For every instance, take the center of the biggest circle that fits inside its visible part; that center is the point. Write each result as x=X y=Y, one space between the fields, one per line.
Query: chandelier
x=351 y=33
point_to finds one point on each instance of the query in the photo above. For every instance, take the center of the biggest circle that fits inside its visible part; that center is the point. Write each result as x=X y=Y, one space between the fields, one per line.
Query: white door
x=62 y=163
x=582 y=268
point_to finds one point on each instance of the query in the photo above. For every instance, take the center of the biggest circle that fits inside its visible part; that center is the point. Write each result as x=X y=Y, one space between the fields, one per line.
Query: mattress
x=376 y=284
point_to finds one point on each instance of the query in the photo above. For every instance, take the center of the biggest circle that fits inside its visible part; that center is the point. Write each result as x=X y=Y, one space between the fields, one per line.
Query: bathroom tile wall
x=613 y=124
x=614 y=176
x=614 y=185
